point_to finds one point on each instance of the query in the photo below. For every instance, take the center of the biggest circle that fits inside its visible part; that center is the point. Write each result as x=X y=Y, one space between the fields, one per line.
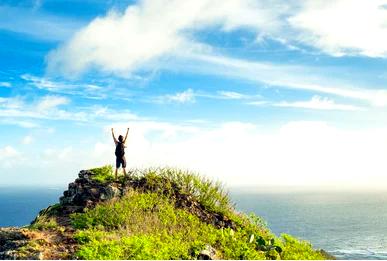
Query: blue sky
x=249 y=92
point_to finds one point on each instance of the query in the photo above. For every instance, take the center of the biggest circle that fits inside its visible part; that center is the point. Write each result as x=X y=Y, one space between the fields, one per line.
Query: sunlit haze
x=252 y=93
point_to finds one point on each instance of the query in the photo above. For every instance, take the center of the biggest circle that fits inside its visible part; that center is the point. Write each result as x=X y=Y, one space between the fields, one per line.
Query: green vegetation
x=46 y=219
x=103 y=174
x=165 y=181
x=44 y=222
x=147 y=224
x=299 y=249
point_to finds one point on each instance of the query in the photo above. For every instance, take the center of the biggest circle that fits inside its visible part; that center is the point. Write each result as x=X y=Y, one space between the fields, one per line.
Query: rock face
x=10 y=240
x=208 y=253
x=85 y=192
x=43 y=241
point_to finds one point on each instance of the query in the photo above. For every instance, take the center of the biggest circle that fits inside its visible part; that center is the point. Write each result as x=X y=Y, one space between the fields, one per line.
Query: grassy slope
x=146 y=224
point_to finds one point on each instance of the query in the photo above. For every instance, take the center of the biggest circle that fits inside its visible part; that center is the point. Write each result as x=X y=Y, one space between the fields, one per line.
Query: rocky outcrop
x=51 y=235
x=208 y=253
x=31 y=244
x=11 y=239
x=86 y=192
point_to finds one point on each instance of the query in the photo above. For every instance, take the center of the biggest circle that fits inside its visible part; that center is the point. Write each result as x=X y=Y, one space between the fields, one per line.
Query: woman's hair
x=120 y=138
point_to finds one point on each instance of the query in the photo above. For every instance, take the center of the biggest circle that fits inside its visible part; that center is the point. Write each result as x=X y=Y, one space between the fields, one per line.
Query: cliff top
x=151 y=214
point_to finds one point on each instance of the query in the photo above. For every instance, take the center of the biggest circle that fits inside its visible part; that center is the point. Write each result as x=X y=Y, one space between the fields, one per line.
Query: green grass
x=145 y=224
x=167 y=181
x=44 y=222
x=46 y=219
x=103 y=174
x=299 y=249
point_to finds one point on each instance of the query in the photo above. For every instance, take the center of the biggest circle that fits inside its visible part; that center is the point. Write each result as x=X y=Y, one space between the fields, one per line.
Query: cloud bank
x=149 y=30
x=313 y=154
x=162 y=35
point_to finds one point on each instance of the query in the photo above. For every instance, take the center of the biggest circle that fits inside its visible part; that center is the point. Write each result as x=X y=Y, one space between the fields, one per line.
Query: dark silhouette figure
x=120 y=152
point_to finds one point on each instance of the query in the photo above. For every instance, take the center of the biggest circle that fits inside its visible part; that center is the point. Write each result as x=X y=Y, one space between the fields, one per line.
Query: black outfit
x=120 y=155
x=119 y=161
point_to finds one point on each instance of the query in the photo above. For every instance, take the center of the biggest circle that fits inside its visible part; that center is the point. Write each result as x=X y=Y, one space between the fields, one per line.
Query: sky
x=249 y=92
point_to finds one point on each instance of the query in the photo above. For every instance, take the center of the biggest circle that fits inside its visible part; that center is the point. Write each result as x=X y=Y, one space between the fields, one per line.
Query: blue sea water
x=20 y=205
x=348 y=225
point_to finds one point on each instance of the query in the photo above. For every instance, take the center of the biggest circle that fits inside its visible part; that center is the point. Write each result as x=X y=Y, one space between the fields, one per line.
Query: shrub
x=207 y=192
x=44 y=222
x=103 y=174
x=151 y=223
x=299 y=249
x=145 y=224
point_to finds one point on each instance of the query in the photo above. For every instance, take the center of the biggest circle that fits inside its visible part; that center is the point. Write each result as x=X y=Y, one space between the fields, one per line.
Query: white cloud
x=18 y=122
x=5 y=84
x=8 y=152
x=45 y=84
x=233 y=95
x=343 y=27
x=48 y=108
x=300 y=153
x=187 y=96
x=149 y=30
x=90 y=91
x=319 y=103
x=283 y=76
x=190 y=96
x=153 y=29
x=11 y=103
x=8 y=156
x=37 y=24
x=65 y=153
x=259 y=103
x=27 y=140
x=151 y=35
x=51 y=102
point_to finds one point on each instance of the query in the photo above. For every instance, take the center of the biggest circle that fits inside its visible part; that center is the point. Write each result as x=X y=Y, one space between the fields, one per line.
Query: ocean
x=20 y=205
x=347 y=225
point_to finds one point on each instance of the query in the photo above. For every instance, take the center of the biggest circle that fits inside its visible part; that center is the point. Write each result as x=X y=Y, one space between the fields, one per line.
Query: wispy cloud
x=187 y=96
x=37 y=24
x=22 y=123
x=233 y=95
x=319 y=103
x=51 y=102
x=343 y=27
x=50 y=108
x=150 y=36
x=9 y=156
x=8 y=152
x=299 y=147
x=91 y=91
x=121 y=43
x=27 y=140
x=154 y=30
x=5 y=84
x=190 y=96
x=285 y=76
x=259 y=103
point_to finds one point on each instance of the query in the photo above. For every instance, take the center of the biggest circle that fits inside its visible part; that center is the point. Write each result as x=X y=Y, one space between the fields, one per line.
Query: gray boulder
x=208 y=253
